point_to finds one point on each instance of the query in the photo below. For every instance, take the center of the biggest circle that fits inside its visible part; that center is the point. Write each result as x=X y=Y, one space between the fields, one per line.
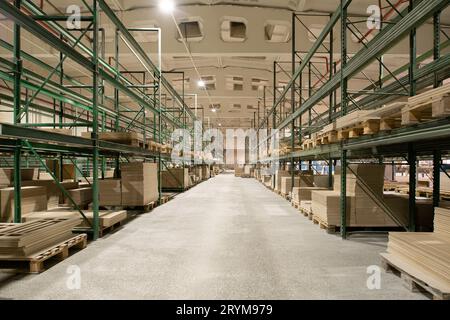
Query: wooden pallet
x=306 y=212
x=36 y=262
x=428 y=105
x=106 y=230
x=411 y=282
x=323 y=225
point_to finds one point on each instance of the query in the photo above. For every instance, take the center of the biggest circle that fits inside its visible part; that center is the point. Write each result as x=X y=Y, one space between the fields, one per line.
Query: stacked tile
x=24 y=239
x=139 y=183
x=424 y=255
x=110 y=192
x=32 y=199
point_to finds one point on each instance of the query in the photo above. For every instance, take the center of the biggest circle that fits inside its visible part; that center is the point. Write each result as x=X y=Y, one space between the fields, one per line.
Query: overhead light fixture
x=166 y=6
x=213 y=110
x=220 y=124
x=201 y=83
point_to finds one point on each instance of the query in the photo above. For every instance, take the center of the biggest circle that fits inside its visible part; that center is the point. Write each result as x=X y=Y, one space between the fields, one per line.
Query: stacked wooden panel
x=55 y=196
x=278 y=175
x=238 y=171
x=304 y=193
x=175 y=177
x=32 y=199
x=139 y=183
x=68 y=169
x=107 y=218
x=110 y=192
x=325 y=205
x=442 y=222
x=425 y=256
x=205 y=172
x=7 y=176
x=18 y=240
x=81 y=196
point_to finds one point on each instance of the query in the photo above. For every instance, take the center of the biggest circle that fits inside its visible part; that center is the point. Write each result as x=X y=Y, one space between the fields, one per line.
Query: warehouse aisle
x=226 y=238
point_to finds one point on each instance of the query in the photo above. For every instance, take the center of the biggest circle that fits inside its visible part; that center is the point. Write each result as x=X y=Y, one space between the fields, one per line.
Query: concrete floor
x=227 y=238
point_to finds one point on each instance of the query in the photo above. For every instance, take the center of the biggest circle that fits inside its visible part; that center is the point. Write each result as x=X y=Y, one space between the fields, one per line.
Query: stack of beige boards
x=139 y=183
x=175 y=178
x=55 y=196
x=7 y=176
x=299 y=181
x=20 y=240
x=107 y=218
x=364 y=182
x=424 y=255
x=303 y=193
x=32 y=199
x=110 y=192
x=81 y=196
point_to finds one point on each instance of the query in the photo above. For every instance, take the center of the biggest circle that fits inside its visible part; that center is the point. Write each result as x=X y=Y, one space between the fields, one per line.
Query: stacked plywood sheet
x=321 y=181
x=278 y=175
x=175 y=178
x=32 y=199
x=267 y=180
x=205 y=172
x=325 y=205
x=7 y=176
x=55 y=196
x=139 y=183
x=238 y=171
x=107 y=218
x=198 y=172
x=19 y=240
x=128 y=138
x=304 y=193
x=81 y=196
x=424 y=256
x=68 y=169
x=299 y=181
x=110 y=192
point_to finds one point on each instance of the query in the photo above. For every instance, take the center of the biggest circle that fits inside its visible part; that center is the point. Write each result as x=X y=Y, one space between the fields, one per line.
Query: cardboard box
x=174 y=177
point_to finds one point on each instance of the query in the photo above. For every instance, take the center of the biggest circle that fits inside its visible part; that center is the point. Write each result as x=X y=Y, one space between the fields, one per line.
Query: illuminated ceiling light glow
x=167 y=6
x=201 y=83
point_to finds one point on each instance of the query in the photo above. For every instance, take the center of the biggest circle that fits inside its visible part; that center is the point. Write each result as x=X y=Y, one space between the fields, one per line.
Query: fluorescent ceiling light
x=167 y=6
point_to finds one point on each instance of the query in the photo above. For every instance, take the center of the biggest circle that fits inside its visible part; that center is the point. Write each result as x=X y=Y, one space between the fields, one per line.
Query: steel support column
x=437 y=44
x=95 y=127
x=343 y=202
x=17 y=110
x=412 y=160
x=437 y=160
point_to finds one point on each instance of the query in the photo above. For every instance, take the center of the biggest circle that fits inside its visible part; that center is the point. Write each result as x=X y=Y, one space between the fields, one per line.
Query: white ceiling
x=251 y=59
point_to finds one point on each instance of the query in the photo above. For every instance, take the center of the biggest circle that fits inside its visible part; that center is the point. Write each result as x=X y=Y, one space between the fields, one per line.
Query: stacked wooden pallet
x=423 y=258
x=18 y=240
x=428 y=105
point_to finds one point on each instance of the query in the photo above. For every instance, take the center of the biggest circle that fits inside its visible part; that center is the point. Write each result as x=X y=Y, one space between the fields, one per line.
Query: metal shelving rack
x=429 y=140
x=72 y=103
